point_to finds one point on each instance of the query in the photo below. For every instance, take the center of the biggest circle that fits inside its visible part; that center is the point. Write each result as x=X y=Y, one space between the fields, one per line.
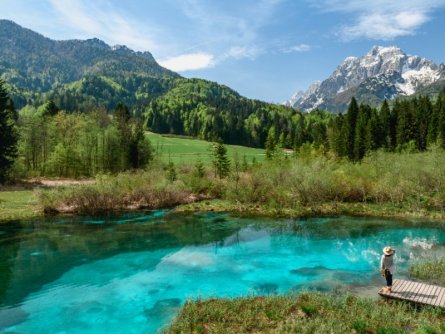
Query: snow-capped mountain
x=383 y=73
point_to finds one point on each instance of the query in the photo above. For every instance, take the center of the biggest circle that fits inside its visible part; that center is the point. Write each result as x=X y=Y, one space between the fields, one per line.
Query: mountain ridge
x=383 y=73
x=33 y=61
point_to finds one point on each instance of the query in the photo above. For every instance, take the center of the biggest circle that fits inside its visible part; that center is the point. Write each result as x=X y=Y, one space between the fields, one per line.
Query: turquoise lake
x=131 y=274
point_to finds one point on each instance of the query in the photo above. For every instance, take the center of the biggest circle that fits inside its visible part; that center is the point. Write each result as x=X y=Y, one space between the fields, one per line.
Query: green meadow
x=20 y=204
x=181 y=149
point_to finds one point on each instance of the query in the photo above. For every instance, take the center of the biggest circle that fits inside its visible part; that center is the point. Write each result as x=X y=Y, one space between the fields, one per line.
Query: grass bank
x=305 y=313
x=383 y=184
x=19 y=204
x=113 y=193
x=432 y=271
x=317 y=210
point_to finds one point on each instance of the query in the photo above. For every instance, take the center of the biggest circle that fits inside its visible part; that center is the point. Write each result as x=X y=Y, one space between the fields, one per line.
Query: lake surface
x=131 y=274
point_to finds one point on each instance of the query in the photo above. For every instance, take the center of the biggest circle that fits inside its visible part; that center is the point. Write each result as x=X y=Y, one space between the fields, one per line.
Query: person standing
x=387 y=267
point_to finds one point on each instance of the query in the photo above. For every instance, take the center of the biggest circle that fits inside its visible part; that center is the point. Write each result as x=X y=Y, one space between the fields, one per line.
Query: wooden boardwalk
x=415 y=292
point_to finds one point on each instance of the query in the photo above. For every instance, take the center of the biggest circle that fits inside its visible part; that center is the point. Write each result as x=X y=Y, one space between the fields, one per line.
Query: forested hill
x=36 y=63
x=85 y=75
x=211 y=111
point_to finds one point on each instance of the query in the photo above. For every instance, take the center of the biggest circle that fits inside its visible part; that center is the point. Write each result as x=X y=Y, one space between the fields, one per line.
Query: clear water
x=131 y=274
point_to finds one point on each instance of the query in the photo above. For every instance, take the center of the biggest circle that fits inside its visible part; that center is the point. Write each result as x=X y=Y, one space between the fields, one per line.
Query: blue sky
x=265 y=49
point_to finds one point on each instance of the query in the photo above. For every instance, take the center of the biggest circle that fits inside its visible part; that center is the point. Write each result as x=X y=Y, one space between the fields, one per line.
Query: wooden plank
x=439 y=293
x=442 y=299
x=434 y=290
x=434 y=295
x=416 y=292
x=441 y=302
x=428 y=295
x=419 y=293
x=409 y=291
x=400 y=286
x=423 y=295
x=429 y=299
x=403 y=286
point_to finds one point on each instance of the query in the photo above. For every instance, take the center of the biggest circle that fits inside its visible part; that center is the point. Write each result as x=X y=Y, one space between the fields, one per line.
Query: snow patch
x=386 y=68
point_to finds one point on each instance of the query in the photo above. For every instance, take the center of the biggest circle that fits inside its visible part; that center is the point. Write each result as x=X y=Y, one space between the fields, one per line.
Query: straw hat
x=388 y=250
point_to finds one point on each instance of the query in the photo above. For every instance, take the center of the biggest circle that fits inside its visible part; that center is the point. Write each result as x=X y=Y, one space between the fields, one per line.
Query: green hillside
x=32 y=61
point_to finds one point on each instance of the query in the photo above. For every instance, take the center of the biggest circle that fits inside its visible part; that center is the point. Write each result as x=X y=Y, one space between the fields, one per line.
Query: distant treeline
x=411 y=125
x=44 y=141
x=56 y=143
x=210 y=112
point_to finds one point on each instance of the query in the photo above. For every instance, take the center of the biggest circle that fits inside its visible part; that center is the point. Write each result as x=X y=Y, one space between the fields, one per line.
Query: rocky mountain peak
x=95 y=42
x=385 y=71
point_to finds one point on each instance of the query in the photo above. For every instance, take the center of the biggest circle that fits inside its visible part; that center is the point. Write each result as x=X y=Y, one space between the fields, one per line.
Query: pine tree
x=350 y=128
x=8 y=133
x=406 y=123
x=51 y=109
x=360 y=132
x=300 y=133
x=373 y=137
x=220 y=160
x=171 y=172
x=423 y=115
x=440 y=109
x=270 y=144
x=199 y=170
x=394 y=120
x=140 y=151
x=385 y=125
x=122 y=117
x=433 y=126
x=338 y=142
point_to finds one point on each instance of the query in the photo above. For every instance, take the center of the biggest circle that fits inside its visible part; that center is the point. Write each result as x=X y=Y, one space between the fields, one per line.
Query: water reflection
x=132 y=273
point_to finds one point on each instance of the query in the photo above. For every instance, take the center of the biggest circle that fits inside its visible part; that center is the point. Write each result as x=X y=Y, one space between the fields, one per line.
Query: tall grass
x=124 y=191
x=416 y=180
x=413 y=182
x=432 y=271
x=306 y=313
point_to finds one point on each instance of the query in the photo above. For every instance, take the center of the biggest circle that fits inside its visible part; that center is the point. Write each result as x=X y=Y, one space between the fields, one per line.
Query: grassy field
x=20 y=204
x=309 y=313
x=180 y=149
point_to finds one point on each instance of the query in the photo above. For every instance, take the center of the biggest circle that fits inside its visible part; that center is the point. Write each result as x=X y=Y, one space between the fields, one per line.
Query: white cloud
x=105 y=22
x=237 y=27
x=297 y=48
x=189 y=62
x=241 y=52
x=384 y=26
x=381 y=19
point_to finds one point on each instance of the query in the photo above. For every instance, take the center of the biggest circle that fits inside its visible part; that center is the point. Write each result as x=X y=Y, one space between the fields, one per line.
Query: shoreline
x=28 y=209
x=321 y=210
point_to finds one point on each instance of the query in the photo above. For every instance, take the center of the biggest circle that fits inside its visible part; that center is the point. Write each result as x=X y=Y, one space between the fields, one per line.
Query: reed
x=309 y=313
